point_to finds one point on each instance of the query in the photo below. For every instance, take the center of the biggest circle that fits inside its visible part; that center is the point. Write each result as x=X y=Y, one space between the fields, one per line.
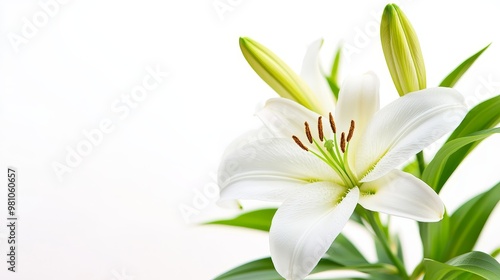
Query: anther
x=332 y=123
x=351 y=131
x=297 y=141
x=308 y=133
x=342 y=142
x=320 y=129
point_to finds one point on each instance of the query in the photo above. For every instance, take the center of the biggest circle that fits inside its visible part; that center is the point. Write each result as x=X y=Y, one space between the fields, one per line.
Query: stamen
x=332 y=123
x=320 y=129
x=330 y=151
x=342 y=142
x=351 y=131
x=308 y=133
x=297 y=141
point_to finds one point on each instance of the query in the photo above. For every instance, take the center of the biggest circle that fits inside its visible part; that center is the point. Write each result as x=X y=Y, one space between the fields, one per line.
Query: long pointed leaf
x=344 y=252
x=259 y=219
x=435 y=237
x=440 y=164
x=258 y=269
x=468 y=266
x=495 y=252
x=263 y=269
x=459 y=233
x=333 y=79
x=468 y=221
x=484 y=116
x=456 y=74
x=413 y=169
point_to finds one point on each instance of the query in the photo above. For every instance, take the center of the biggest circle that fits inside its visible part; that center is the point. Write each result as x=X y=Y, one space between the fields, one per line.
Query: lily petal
x=269 y=170
x=311 y=73
x=358 y=101
x=305 y=226
x=401 y=194
x=286 y=118
x=405 y=127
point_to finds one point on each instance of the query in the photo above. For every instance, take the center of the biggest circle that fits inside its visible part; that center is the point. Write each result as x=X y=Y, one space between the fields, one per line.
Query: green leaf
x=435 y=238
x=259 y=219
x=468 y=221
x=342 y=251
x=382 y=257
x=259 y=269
x=483 y=116
x=456 y=74
x=277 y=74
x=399 y=248
x=473 y=265
x=333 y=79
x=381 y=253
x=442 y=164
x=459 y=233
x=263 y=269
x=495 y=252
x=412 y=168
x=358 y=213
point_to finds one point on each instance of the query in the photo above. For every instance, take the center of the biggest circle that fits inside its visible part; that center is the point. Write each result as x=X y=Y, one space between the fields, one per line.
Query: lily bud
x=278 y=74
x=402 y=51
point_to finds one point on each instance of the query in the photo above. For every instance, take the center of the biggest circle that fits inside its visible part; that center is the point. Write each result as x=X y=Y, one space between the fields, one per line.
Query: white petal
x=305 y=226
x=250 y=136
x=358 y=101
x=286 y=118
x=401 y=194
x=269 y=170
x=313 y=76
x=406 y=126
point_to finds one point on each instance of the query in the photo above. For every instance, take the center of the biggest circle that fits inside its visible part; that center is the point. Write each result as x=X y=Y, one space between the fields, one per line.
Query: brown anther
x=332 y=123
x=308 y=133
x=351 y=131
x=342 y=142
x=297 y=141
x=320 y=129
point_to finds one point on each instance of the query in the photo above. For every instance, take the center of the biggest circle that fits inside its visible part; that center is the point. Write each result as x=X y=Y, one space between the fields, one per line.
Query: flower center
x=330 y=151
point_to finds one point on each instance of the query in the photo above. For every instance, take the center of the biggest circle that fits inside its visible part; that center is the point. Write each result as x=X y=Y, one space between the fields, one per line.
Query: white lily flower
x=322 y=167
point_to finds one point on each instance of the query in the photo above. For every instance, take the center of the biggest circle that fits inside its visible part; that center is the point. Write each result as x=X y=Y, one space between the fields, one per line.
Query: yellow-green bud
x=278 y=74
x=402 y=51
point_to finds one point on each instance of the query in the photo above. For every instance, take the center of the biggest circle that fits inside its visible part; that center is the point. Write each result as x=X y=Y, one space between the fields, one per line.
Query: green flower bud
x=278 y=74
x=402 y=51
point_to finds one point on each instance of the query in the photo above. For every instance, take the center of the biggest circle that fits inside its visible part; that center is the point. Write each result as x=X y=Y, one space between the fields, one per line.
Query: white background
x=117 y=215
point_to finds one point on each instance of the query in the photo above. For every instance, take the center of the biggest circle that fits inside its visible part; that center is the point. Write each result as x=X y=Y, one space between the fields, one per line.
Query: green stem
x=418 y=272
x=421 y=162
x=379 y=232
